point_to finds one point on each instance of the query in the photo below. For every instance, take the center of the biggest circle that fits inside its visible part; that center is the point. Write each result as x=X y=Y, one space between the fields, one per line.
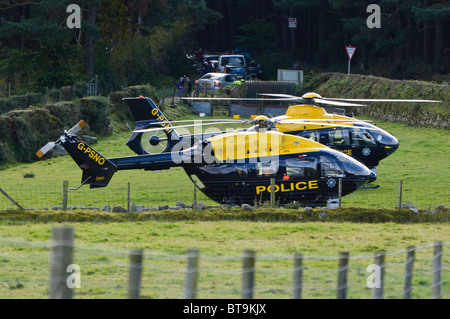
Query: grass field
x=101 y=251
x=421 y=162
x=103 y=240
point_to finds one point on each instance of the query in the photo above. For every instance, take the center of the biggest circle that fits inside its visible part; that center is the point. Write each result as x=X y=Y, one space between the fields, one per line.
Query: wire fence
x=156 y=192
x=106 y=273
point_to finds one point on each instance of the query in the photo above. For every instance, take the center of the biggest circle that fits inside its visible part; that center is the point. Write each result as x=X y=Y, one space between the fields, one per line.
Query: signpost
x=350 y=52
x=292 y=23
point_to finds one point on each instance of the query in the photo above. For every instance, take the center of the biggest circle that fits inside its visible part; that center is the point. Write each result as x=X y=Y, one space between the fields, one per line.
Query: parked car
x=211 y=58
x=238 y=70
x=255 y=71
x=235 y=59
x=212 y=82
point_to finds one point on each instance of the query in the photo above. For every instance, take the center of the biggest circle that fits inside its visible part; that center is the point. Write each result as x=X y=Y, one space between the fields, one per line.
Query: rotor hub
x=153 y=140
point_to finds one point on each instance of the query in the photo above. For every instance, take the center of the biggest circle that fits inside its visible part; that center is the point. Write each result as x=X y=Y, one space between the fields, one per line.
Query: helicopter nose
x=391 y=148
x=373 y=176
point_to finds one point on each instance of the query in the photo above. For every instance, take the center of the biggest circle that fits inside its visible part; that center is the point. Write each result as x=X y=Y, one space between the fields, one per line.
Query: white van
x=235 y=59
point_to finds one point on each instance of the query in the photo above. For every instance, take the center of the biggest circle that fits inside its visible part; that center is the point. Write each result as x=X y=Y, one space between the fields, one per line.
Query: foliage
x=272 y=215
x=20 y=101
x=95 y=112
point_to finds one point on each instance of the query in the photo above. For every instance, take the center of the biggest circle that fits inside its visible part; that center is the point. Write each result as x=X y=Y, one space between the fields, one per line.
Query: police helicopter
x=364 y=141
x=234 y=167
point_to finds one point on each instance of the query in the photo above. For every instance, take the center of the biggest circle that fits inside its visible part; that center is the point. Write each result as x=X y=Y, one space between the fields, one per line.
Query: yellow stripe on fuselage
x=242 y=145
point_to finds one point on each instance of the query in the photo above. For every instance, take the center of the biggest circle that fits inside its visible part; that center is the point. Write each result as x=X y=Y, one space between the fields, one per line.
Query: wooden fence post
x=340 y=192
x=298 y=277
x=409 y=264
x=248 y=274
x=190 y=289
x=378 y=291
x=342 y=275
x=400 y=191
x=437 y=270
x=11 y=199
x=129 y=197
x=60 y=258
x=195 y=195
x=65 y=194
x=135 y=271
x=272 y=192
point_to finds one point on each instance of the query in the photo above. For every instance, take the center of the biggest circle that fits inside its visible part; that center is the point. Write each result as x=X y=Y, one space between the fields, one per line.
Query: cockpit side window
x=362 y=138
x=329 y=167
x=339 y=137
x=267 y=169
x=301 y=167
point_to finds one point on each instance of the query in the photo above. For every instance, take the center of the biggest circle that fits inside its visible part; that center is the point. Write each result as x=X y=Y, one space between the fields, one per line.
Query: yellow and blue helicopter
x=234 y=167
x=366 y=142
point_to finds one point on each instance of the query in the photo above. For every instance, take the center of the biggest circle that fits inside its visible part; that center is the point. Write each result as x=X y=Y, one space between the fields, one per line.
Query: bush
x=67 y=93
x=54 y=95
x=80 y=89
x=95 y=111
x=20 y=102
x=120 y=107
x=68 y=112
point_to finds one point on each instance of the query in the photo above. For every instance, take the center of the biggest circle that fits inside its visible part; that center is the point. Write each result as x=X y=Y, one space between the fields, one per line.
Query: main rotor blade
x=229 y=99
x=382 y=100
x=336 y=103
x=181 y=126
x=215 y=120
x=352 y=120
x=77 y=127
x=286 y=96
x=47 y=147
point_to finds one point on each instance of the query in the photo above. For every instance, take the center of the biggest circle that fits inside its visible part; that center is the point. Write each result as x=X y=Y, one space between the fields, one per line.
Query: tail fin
x=146 y=115
x=97 y=170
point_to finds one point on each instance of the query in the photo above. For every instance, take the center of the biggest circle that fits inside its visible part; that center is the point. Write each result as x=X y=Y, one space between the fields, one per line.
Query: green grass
x=421 y=162
x=101 y=251
x=104 y=240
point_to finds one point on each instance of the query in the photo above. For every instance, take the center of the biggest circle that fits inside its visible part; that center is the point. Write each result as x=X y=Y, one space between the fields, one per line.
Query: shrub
x=120 y=107
x=95 y=111
x=20 y=102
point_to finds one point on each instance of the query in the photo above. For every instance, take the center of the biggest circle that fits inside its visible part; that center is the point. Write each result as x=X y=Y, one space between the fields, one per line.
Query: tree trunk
x=427 y=48
x=89 y=43
x=439 y=40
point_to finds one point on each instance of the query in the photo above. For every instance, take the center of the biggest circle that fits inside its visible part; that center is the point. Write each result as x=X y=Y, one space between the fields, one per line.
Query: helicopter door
x=340 y=140
x=301 y=168
x=363 y=145
x=329 y=168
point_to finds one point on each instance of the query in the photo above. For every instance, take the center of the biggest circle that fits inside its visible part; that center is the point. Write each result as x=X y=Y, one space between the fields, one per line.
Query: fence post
x=190 y=289
x=134 y=280
x=378 y=291
x=400 y=191
x=129 y=197
x=248 y=274
x=437 y=270
x=60 y=258
x=272 y=192
x=409 y=264
x=195 y=195
x=65 y=194
x=342 y=275
x=340 y=191
x=298 y=277
x=11 y=199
